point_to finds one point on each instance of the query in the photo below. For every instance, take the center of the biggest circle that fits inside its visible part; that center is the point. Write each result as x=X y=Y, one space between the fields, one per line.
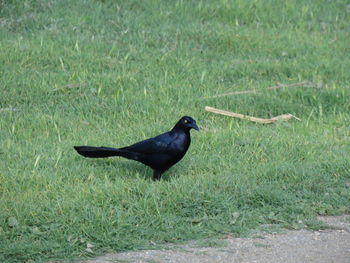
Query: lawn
x=111 y=73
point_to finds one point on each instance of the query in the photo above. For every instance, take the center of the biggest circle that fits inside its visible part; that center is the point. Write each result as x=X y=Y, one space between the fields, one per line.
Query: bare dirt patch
x=330 y=245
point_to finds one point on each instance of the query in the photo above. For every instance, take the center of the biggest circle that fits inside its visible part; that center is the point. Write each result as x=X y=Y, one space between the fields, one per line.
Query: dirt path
x=331 y=245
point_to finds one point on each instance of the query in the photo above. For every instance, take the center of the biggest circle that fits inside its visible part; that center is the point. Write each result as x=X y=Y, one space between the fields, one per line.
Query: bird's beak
x=194 y=126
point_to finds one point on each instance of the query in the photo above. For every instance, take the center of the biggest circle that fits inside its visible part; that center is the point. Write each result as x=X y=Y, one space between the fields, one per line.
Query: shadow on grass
x=132 y=169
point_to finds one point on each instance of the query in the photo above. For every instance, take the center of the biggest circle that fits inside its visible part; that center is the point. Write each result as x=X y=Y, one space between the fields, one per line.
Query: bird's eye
x=186 y=121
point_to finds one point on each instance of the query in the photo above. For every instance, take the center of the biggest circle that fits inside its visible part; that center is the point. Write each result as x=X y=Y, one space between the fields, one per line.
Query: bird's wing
x=158 y=144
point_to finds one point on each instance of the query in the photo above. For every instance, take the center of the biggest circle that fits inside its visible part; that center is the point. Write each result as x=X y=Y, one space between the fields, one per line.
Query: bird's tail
x=97 y=152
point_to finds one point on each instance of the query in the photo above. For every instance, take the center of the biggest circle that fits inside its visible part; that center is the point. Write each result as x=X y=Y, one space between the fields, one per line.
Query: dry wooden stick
x=8 y=109
x=69 y=86
x=283 y=117
x=304 y=84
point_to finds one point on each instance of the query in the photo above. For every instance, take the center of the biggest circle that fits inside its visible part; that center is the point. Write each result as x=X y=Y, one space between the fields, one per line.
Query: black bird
x=159 y=153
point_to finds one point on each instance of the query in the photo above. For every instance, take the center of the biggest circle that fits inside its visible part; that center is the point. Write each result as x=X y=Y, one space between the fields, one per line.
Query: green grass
x=115 y=72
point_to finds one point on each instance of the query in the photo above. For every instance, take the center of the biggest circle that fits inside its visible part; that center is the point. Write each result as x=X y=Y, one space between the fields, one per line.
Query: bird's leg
x=157 y=174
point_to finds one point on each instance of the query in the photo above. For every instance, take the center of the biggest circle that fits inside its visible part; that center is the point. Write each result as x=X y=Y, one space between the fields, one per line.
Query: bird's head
x=187 y=123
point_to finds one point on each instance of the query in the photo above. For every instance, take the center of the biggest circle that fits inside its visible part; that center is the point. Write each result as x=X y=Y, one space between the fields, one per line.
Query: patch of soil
x=292 y=246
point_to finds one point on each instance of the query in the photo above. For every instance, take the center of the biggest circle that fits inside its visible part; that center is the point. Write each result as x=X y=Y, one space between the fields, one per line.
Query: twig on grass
x=69 y=86
x=304 y=84
x=283 y=117
x=8 y=109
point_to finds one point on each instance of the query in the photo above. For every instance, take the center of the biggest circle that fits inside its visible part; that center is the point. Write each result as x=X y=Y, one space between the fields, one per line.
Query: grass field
x=115 y=72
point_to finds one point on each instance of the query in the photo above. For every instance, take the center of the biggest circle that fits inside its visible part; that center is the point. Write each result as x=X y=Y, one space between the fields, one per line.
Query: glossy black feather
x=159 y=153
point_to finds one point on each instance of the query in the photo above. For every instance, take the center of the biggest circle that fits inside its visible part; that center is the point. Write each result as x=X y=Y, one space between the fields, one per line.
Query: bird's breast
x=180 y=143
